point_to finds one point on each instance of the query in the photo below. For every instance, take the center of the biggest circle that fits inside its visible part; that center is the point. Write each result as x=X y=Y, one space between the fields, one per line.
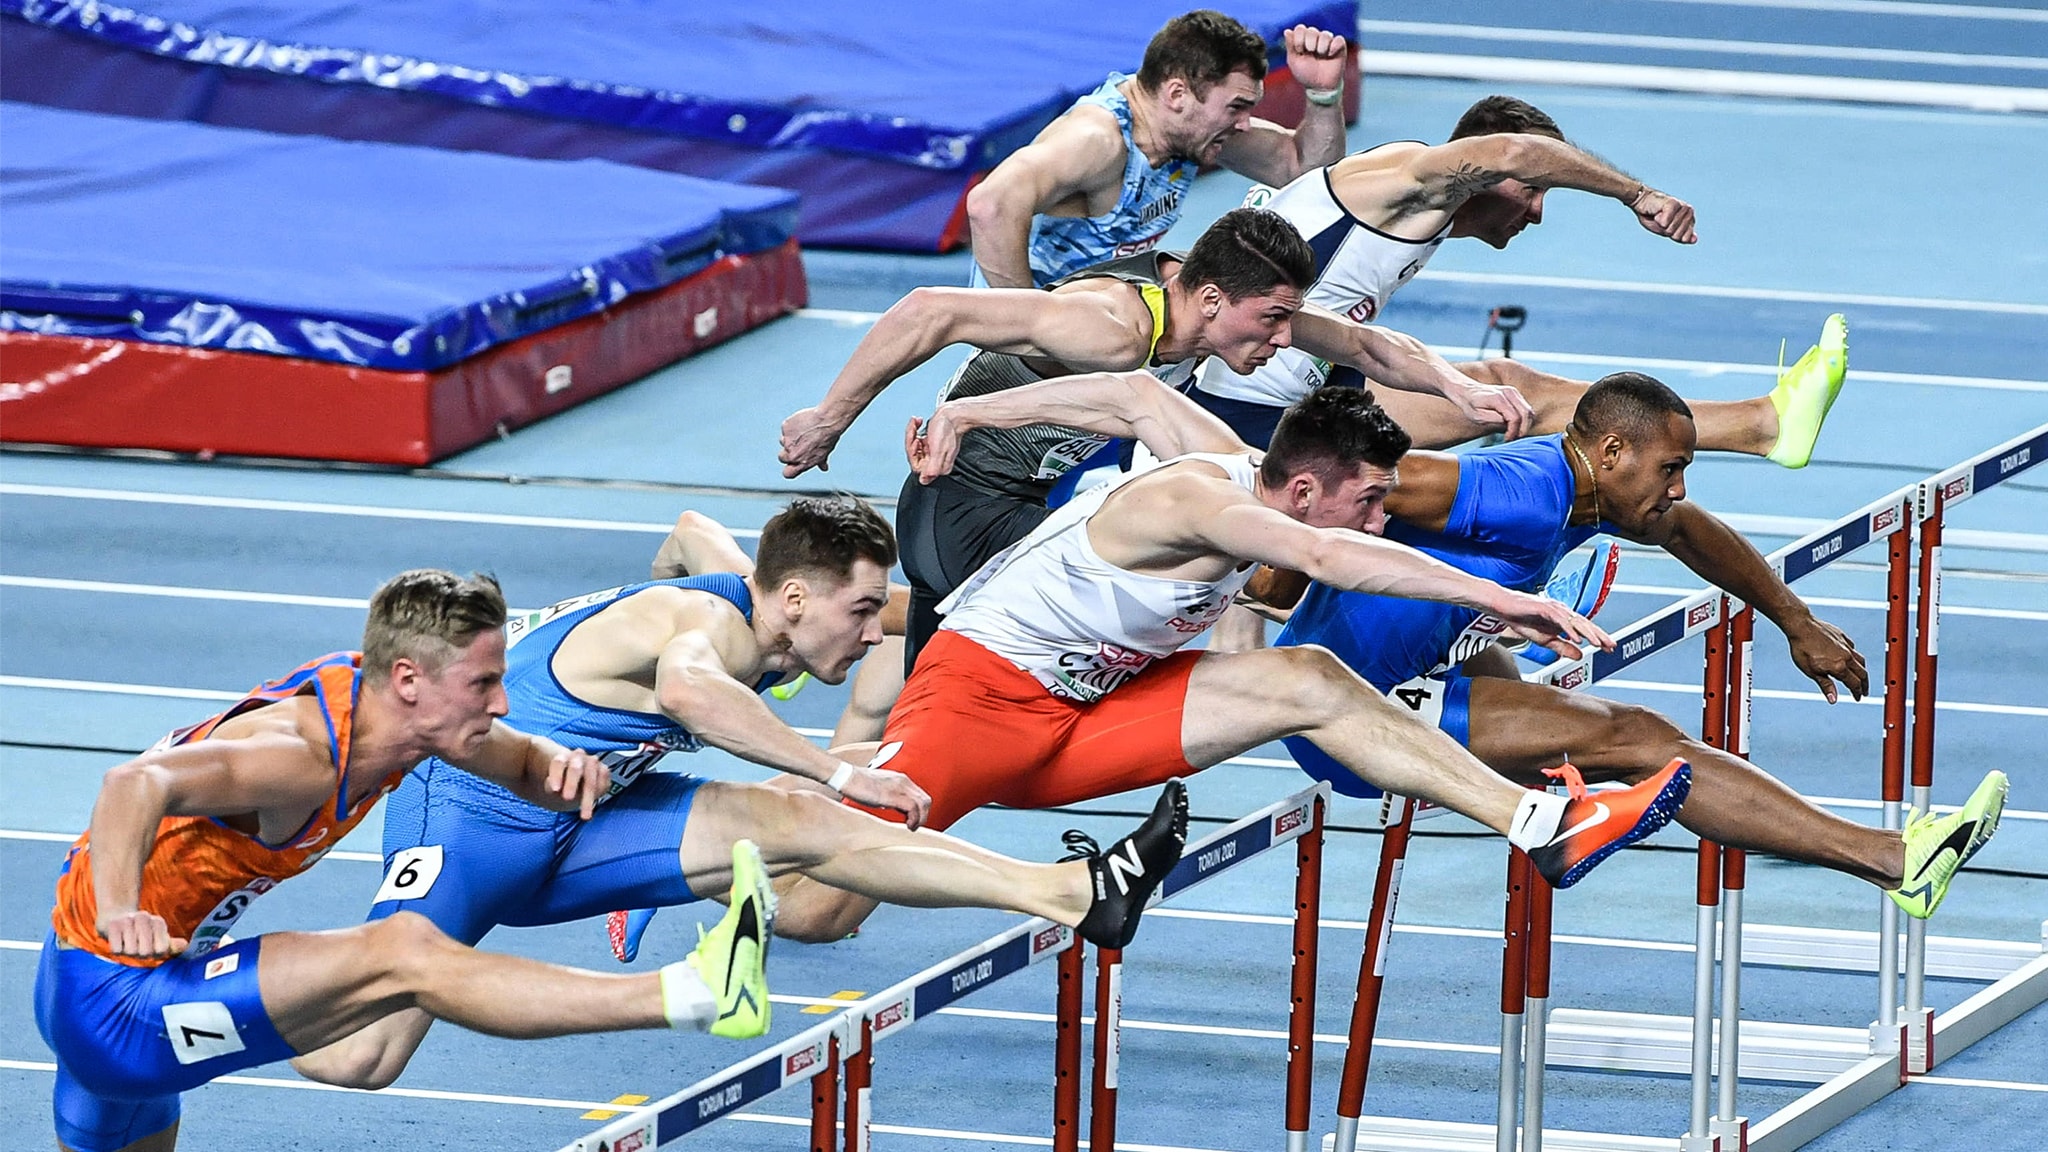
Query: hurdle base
x=1841 y=950
x=1662 y=1045
x=1391 y=1134
x=1733 y=1134
x=1920 y=1042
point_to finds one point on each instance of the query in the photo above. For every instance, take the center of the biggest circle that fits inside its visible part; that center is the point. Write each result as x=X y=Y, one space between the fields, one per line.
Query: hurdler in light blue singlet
x=1148 y=206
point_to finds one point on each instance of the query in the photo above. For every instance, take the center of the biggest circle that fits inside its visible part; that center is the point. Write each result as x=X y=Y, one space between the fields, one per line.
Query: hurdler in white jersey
x=1375 y=218
x=1063 y=675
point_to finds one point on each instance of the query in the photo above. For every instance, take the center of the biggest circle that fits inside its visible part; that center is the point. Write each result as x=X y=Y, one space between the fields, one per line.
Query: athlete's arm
x=693 y=687
x=1398 y=360
x=696 y=545
x=1427 y=490
x=1133 y=405
x=1354 y=561
x=538 y=770
x=1088 y=330
x=1442 y=178
x=274 y=767
x=1081 y=154
x=1720 y=555
x=1274 y=155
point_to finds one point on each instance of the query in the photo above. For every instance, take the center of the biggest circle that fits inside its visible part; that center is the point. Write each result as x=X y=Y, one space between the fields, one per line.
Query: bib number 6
x=412 y=874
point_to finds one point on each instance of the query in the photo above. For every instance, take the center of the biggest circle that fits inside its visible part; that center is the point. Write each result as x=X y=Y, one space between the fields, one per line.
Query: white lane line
x=1881 y=8
x=1961 y=1082
x=1715 y=82
x=113 y=689
x=322 y=509
x=1840 y=602
x=1517 y=35
x=180 y=592
x=1781 y=295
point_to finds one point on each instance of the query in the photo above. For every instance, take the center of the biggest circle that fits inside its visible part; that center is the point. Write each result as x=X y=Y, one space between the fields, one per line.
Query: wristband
x=838 y=781
x=1324 y=97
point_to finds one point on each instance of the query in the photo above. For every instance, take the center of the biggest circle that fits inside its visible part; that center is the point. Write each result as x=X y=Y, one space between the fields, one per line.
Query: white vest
x=1077 y=623
x=1357 y=268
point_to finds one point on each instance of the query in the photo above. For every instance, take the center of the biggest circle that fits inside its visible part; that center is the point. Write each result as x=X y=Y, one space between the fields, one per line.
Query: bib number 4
x=1422 y=698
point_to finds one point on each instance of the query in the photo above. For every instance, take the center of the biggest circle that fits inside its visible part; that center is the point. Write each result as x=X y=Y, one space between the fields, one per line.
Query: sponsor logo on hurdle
x=1881 y=521
x=1575 y=679
x=1698 y=614
x=1828 y=548
x=638 y=1140
x=2014 y=461
x=1289 y=820
x=1216 y=857
x=893 y=1016
x=1048 y=940
x=973 y=974
x=1637 y=645
x=1958 y=488
x=712 y=1103
x=798 y=1062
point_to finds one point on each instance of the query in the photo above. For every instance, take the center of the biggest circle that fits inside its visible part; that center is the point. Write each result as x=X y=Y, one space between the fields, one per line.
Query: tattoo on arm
x=1467 y=181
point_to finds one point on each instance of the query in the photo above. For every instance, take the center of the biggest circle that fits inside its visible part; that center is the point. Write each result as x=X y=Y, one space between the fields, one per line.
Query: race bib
x=524 y=625
x=201 y=1030
x=212 y=931
x=1422 y=698
x=412 y=874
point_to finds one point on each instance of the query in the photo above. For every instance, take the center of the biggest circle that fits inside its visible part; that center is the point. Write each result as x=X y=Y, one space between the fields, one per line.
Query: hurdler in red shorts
x=1058 y=675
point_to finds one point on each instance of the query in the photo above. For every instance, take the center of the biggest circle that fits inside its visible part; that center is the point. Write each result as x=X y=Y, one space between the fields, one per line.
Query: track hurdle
x=1298 y=820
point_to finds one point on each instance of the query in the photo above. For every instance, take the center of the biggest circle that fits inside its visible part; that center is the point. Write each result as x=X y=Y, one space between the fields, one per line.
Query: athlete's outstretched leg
x=832 y=844
x=1237 y=701
x=1521 y=728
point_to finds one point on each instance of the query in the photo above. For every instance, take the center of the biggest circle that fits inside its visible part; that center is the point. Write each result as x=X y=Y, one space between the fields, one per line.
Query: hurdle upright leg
x=1109 y=1005
x=1536 y=1006
x=1514 y=987
x=1301 y=1015
x=1699 y=1135
x=825 y=1102
x=1730 y=1129
x=1066 y=1085
x=1372 y=970
x=1926 y=652
x=1885 y=1033
x=860 y=1079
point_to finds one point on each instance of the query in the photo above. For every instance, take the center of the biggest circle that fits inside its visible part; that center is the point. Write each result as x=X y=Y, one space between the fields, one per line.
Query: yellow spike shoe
x=1807 y=390
x=731 y=959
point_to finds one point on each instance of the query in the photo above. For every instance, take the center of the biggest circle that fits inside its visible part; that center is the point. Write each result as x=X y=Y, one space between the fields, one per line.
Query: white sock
x=685 y=999
x=1538 y=816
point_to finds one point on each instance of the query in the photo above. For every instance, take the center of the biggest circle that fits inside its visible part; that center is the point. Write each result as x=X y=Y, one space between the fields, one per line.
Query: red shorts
x=976 y=730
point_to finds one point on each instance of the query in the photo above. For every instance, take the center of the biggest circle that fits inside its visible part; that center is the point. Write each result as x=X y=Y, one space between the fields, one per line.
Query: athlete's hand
x=882 y=788
x=1489 y=404
x=1541 y=620
x=1826 y=654
x=141 y=934
x=808 y=438
x=1665 y=215
x=932 y=445
x=579 y=779
x=1314 y=57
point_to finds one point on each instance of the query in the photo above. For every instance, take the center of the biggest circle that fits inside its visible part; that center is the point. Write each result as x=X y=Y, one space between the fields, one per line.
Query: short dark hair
x=1496 y=114
x=1249 y=252
x=1330 y=432
x=1630 y=405
x=1201 y=48
x=427 y=615
x=821 y=536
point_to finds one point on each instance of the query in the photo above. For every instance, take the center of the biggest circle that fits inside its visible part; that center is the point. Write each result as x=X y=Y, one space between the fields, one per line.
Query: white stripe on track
x=1840 y=602
x=1812 y=697
x=1881 y=8
x=1518 y=35
x=1961 y=1082
x=180 y=592
x=322 y=509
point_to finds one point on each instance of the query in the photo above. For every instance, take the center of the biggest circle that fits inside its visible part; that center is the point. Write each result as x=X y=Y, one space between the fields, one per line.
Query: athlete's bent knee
x=1639 y=741
x=813 y=913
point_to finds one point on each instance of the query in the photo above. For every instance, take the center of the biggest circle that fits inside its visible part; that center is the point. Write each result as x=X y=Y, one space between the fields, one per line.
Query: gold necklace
x=1592 y=476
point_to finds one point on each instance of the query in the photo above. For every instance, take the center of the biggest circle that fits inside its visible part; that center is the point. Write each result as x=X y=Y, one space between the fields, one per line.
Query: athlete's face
x=1357 y=502
x=833 y=624
x=1246 y=333
x=1202 y=125
x=1499 y=215
x=1640 y=481
x=452 y=708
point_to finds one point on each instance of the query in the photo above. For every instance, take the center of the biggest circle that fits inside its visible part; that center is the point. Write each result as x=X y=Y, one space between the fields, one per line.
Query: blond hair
x=427 y=615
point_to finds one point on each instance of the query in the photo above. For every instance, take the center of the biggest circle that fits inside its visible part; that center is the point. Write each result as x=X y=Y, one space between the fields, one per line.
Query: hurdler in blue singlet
x=1507 y=524
x=469 y=855
x=1147 y=206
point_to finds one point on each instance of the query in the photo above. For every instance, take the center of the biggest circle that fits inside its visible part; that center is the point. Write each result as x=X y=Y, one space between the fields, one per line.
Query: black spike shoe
x=1125 y=876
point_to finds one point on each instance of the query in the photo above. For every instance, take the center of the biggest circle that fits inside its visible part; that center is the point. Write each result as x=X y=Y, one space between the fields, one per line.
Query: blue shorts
x=470 y=860
x=1456 y=722
x=128 y=1039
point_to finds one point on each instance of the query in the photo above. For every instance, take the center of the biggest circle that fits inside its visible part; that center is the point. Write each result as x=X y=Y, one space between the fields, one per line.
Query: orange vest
x=201 y=875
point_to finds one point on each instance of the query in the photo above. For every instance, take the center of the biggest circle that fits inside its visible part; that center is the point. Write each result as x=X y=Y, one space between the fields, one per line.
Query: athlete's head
x=1246 y=275
x=436 y=641
x=1333 y=459
x=1638 y=437
x=823 y=570
x=1499 y=214
x=1202 y=74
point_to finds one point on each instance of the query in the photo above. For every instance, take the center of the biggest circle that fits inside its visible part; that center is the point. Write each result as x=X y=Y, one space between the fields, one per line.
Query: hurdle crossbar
x=650 y=1126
